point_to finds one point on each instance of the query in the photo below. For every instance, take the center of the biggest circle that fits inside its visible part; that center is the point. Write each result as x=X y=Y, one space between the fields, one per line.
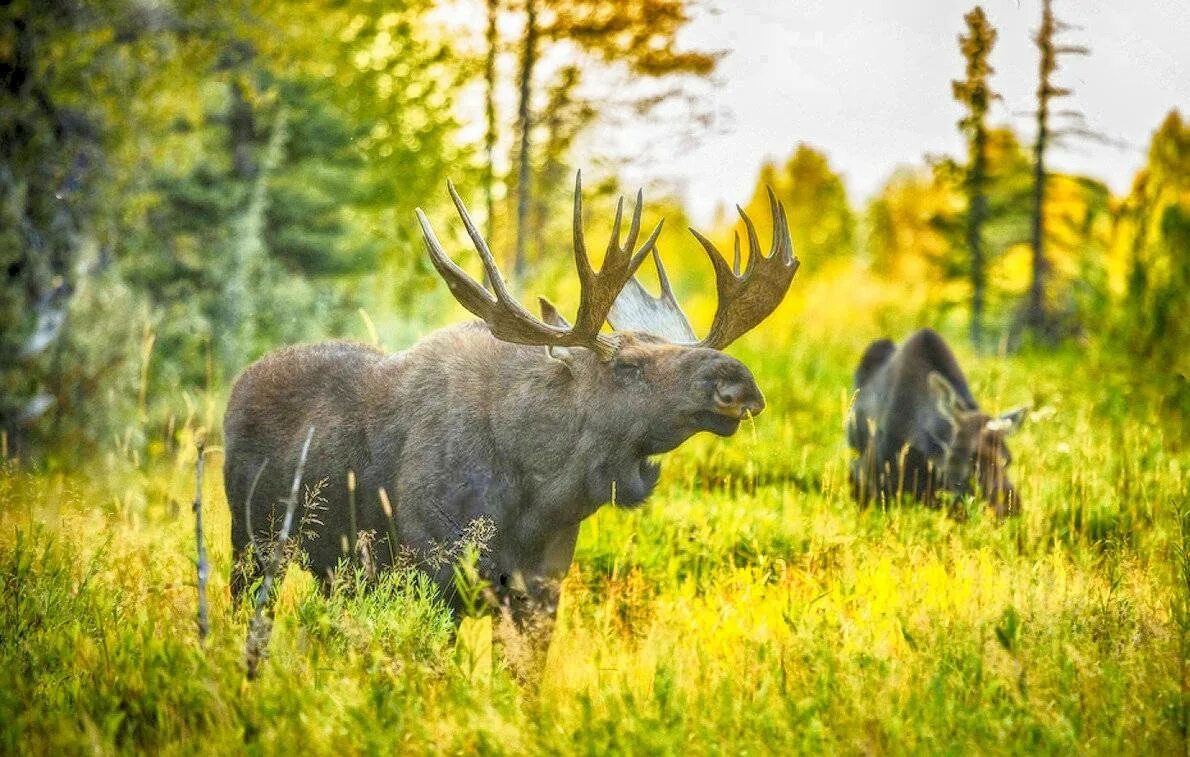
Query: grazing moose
x=919 y=431
x=522 y=424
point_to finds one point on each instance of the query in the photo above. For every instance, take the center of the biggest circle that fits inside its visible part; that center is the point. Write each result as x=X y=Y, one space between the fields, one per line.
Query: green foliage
x=230 y=180
x=916 y=225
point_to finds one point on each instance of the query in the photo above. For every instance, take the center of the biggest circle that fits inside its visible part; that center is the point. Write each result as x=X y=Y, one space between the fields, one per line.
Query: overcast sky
x=868 y=82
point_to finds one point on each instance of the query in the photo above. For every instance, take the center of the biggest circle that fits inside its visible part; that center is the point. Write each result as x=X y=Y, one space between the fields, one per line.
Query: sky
x=868 y=83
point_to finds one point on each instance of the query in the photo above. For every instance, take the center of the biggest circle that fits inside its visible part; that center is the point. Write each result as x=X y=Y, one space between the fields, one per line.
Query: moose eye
x=626 y=372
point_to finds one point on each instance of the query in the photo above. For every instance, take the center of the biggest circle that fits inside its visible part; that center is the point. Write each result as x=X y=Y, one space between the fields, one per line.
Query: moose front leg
x=528 y=603
x=525 y=616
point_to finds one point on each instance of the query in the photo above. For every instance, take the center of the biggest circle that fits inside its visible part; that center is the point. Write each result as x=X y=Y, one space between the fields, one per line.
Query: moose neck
x=576 y=450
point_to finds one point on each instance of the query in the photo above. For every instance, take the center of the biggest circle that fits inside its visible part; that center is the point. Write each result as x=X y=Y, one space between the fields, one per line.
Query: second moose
x=918 y=430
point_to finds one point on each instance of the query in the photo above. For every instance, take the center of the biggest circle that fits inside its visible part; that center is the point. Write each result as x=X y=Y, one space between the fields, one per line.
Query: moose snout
x=737 y=399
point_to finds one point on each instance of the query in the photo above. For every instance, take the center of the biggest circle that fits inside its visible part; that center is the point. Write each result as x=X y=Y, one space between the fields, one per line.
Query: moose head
x=973 y=445
x=649 y=384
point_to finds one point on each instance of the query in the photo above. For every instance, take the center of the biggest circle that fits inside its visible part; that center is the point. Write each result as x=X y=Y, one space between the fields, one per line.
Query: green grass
x=748 y=608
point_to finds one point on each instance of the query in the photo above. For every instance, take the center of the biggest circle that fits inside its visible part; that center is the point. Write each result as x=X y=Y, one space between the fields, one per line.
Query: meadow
x=748 y=607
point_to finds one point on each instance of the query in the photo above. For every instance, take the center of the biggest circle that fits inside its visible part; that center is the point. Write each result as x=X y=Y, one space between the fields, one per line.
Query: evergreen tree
x=976 y=95
x=1038 y=316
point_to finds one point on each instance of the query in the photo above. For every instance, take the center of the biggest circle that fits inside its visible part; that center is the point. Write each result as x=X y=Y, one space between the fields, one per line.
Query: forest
x=185 y=187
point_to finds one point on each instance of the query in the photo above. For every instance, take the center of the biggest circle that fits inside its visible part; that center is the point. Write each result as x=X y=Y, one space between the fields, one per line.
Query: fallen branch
x=204 y=568
x=261 y=627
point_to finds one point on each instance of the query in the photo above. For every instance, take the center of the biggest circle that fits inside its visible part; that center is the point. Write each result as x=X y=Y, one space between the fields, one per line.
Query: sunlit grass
x=748 y=607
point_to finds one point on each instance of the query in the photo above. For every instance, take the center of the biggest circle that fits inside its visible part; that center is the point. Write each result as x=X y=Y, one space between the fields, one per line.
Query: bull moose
x=918 y=430
x=525 y=425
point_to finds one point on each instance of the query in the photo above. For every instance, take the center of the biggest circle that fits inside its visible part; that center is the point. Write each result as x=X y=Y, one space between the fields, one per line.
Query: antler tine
x=663 y=277
x=753 y=239
x=782 y=241
x=485 y=254
x=649 y=245
x=735 y=259
x=613 y=244
x=717 y=260
x=634 y=227
x=581 y=261
x=465 y=289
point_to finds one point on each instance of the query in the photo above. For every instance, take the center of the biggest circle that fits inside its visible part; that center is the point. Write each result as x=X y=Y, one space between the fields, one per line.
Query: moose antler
x=508 y=319
x=744 y=299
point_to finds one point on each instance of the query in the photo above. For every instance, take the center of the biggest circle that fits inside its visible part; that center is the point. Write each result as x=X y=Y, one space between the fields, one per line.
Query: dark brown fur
x=463 y=427
x=918 y=430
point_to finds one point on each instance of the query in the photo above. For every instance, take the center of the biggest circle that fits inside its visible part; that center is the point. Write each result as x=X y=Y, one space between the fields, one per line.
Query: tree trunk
x=524 y=182
x=489 y=141
x=976 y=214
x=241 y=133
x=1036 y=312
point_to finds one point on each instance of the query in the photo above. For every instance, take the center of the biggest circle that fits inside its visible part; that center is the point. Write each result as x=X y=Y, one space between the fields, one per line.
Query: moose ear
x=550 y=314
x=1007 y=423
x=946 y=399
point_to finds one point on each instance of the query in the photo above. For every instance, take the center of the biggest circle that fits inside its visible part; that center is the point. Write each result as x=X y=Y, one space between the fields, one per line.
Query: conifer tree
x=976 y=95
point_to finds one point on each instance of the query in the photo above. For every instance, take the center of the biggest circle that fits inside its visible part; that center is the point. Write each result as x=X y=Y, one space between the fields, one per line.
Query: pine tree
x=975 y=93
x=1038 y=316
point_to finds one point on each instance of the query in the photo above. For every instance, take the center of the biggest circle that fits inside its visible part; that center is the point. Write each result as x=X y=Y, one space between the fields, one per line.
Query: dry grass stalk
x=204 y=568
x=260 y=629
x=387 y=507
x=353 y=534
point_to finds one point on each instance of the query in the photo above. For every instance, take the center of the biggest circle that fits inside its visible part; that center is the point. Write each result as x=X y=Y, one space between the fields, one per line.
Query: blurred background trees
x=184 y=186
x=595 y=39
x=822 y=223
x=1152 y=249
x=196 y=182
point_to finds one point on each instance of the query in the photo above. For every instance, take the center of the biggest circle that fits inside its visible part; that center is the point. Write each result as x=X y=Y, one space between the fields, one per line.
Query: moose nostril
x=727 y=395
x=738 y=400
